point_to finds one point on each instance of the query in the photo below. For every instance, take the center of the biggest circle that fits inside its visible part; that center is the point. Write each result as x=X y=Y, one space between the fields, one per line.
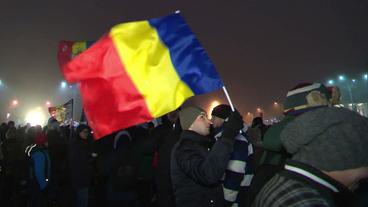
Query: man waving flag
x=139 y=71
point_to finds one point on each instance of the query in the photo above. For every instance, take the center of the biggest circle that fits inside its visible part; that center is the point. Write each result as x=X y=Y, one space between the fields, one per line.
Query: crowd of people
x=315 y=156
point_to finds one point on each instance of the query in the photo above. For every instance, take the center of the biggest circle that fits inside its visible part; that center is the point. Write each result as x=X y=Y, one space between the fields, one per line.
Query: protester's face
x=84 y=134
x=216 y=121
x=201 y=125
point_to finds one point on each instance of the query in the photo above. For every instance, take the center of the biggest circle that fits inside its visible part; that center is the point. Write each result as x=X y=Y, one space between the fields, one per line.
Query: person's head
x=4 y=125
x=257 y=122
x=219 y=114
x=38 y=129
x=195 y=119
x=335 y=95
x=11 y=133
x=306 y=95
x=173 y=116
x=332 y=140
x=11 y=124
x=83 y=131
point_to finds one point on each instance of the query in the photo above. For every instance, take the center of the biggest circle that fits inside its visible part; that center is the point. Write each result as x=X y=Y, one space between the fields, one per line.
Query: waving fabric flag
x=62 y=113
x=139 y=71
x=68 y=50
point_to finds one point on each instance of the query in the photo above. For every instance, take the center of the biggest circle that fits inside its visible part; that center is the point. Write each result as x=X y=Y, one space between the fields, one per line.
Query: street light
x=48 y=103
x=15 y=102
x=331 y=82
x=63 y=84
x=365 y=76
x=249 y=118
x=342 y=79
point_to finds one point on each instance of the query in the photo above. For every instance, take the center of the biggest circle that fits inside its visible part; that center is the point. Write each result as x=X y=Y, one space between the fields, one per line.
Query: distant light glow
x=213 y=105
x=15 y=102
x=48 y=103
x=341 y=77
x=365 y=76
x=353 y=80
x=330 y=82
x=63 y=84
x=1 y=82
x=7 y=115
x=35 y=117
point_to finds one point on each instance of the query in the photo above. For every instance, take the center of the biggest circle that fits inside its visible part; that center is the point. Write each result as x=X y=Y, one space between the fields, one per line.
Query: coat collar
x=194 y=136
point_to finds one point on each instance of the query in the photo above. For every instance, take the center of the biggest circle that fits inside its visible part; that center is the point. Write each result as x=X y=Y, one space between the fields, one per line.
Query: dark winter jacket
x=196 y=170
x=166 y=137
x=40 y=166
x=301 y=185
x=80 y=163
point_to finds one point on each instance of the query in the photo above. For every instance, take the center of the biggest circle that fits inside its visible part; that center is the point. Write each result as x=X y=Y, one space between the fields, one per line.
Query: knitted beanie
x=306 y=95
x=328 y=138
x=188 y=115
x=221 y=111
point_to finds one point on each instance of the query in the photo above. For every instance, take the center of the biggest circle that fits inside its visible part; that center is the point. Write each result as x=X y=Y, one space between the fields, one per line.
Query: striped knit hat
x=306 y=95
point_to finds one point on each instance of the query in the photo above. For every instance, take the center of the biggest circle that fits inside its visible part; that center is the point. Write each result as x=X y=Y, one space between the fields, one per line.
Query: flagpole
x=230 y=103
x=228 y=98
x=71 y=121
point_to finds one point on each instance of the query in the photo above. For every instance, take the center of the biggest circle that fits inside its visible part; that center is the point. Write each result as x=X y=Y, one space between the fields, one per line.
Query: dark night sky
x=261 y=48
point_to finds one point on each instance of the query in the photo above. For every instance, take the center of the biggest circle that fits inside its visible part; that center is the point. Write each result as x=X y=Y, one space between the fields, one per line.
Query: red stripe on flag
x=110 y=99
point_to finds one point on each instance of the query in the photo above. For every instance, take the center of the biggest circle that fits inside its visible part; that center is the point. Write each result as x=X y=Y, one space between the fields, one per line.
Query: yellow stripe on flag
x=147 y=61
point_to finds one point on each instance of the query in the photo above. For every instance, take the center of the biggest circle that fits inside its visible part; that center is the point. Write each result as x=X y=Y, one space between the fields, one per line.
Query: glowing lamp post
x=342 y=79
x=365 y=76
x=15 y=103
x=63 y=84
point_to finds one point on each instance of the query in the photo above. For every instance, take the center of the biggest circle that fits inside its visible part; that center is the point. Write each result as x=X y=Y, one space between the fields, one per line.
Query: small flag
x=62 y=113
x=139 y=71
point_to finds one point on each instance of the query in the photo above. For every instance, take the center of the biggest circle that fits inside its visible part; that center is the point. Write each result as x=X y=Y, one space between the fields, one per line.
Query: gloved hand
x=233 y=126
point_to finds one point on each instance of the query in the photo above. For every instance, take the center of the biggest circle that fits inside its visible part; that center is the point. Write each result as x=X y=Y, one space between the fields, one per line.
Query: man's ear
x=316 y=98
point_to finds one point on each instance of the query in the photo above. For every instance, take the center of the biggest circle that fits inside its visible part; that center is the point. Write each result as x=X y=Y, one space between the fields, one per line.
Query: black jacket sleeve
x=207 y=170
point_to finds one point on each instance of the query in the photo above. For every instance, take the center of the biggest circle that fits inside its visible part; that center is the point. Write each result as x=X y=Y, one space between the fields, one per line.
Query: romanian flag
x=139 y=71
x=68 y=50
